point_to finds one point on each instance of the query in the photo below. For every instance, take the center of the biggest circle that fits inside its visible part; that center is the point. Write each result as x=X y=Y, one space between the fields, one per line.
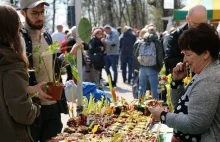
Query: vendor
x=196 y=116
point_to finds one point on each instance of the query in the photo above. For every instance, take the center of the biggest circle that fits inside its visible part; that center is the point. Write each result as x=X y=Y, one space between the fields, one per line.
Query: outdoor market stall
x=212 y=6
x=119 y=121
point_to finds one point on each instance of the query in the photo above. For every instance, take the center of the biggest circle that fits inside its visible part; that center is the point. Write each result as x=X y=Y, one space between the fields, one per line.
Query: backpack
x=147 y=54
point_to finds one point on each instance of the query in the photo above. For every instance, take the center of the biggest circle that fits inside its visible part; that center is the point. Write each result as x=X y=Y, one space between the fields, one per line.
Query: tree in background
x=116 y=12
x=135 y=13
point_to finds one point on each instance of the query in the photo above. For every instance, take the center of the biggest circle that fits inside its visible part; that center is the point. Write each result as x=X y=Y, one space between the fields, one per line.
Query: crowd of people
x=143 y=52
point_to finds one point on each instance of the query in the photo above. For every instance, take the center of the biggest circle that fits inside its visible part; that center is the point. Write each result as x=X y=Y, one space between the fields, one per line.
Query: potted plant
x=54 y=87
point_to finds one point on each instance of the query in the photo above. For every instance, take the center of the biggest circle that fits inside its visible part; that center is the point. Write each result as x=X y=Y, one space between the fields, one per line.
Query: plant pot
x=55 y=91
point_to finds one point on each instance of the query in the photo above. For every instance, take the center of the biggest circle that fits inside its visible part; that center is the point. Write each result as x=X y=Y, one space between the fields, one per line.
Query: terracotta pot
x=55 y=91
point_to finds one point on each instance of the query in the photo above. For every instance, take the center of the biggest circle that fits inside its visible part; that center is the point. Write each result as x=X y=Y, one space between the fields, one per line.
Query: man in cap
x=48 y=124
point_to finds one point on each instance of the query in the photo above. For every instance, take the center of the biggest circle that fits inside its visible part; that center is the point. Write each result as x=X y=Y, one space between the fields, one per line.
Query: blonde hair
x=142 y=32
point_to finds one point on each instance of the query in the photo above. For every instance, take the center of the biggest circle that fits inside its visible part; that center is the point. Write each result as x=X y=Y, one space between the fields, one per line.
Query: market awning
x=212 y=6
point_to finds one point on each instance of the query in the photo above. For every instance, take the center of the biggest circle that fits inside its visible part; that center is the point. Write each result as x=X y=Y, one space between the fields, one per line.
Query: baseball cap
x=107 y=26
x=31 y=3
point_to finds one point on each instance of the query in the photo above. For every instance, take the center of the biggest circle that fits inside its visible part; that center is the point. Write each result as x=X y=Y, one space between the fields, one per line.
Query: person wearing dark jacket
x=17 y=110
x=67 y=46
x=96 y=50
x=196 y=15
x=173 y=53
x=96 y=54
x=127 y=40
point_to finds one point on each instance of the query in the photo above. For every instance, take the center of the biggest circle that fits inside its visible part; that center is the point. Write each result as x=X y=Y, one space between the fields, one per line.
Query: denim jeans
x=126 y=60
x=112 y=61
x=146 y=73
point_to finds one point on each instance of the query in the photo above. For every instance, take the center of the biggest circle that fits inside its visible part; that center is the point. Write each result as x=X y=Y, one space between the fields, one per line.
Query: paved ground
x=122 y=90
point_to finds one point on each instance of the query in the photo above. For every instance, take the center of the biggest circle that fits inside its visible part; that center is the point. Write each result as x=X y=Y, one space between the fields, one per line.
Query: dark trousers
x=48 y=124
x=127 y=61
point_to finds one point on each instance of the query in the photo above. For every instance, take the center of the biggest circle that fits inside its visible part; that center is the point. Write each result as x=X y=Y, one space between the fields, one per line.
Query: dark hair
x=199 y=39
x=25 y=9
x=119 y=30
x=66 y=32
x=10 y=35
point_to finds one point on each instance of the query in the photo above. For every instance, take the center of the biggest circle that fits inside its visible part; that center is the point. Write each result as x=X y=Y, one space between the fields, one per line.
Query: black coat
x=127 y=41
x=95 y=53
x=173 y=53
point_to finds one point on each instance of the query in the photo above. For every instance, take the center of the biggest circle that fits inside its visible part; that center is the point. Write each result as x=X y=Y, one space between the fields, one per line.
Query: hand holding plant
x=75 y=48
x=38 y=92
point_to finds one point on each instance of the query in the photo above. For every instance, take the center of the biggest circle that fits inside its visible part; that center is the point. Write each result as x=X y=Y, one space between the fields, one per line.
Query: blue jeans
x=127 y=60
x=146 y=73
x=112 y=61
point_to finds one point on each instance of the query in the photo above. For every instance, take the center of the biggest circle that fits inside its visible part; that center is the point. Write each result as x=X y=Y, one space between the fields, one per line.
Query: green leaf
x=72 y=63
x=52 y=49
x=38 y=70
x=36 y=49
x=84 y=30
x=85 y=102
x=71 y=59
x=40 y=59
x=75 y=73
x=90 y=102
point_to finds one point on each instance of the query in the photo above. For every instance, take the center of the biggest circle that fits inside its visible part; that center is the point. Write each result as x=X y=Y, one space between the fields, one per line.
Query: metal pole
x=79 y=59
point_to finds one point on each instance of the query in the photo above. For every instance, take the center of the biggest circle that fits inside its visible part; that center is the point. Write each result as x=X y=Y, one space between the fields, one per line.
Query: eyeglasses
x=37 y=14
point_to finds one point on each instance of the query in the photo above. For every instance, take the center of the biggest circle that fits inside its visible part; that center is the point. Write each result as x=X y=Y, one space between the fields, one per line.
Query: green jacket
x=16 y=108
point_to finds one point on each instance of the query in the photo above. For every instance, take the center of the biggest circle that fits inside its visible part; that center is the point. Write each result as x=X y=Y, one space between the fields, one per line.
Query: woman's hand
x=38 y=89
x=75 y=48
x=179 y=72
x=102 y=48
x=156 y=111
x=103 y=40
